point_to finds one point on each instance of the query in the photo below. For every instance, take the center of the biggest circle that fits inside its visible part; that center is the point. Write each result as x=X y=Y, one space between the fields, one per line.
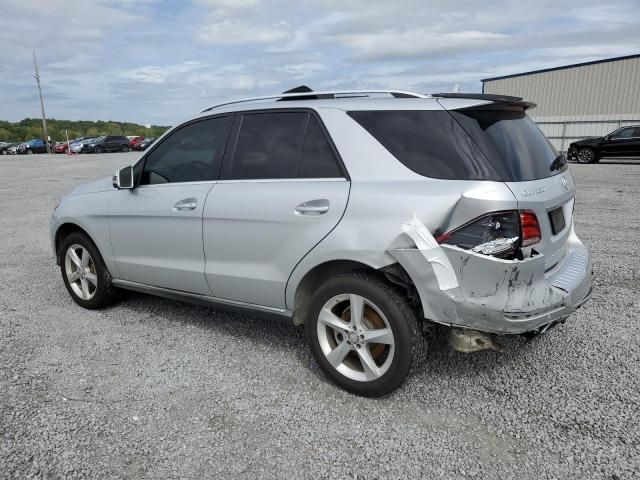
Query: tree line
x=32 y=128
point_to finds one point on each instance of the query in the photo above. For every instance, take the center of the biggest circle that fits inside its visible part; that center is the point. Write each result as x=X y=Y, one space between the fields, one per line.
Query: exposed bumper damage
x=495 y=295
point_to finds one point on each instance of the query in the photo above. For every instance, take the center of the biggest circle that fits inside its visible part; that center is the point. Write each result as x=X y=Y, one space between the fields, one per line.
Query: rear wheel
x=586 y=155
x=84 y=273
x=126 y=148
x=363 y=333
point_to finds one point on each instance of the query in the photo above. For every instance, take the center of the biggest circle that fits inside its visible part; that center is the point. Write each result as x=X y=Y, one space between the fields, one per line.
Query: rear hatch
x=528 y=164
x=474 y=144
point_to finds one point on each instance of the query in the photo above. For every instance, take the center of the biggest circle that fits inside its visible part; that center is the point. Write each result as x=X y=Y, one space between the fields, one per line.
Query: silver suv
x=366 y=216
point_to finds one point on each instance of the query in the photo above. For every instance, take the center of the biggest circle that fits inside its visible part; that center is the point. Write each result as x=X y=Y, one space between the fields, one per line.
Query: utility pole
x=44 y=118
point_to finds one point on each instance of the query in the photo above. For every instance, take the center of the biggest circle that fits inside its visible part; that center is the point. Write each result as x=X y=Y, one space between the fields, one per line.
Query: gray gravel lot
x=152 y=388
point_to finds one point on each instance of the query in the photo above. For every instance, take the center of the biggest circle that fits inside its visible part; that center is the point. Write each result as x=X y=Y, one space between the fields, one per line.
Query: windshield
x=511 y=142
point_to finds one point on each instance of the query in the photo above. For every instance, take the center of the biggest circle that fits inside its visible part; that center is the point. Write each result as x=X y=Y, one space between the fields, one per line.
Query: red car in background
x=134 y=140
x=63 y=147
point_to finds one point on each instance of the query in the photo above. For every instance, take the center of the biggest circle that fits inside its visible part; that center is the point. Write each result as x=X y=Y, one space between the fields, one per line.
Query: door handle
x=313 y=207
x=186 y=205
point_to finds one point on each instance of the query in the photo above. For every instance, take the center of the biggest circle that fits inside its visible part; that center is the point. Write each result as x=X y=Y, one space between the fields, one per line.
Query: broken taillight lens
x=495 y=234
x=498 y=234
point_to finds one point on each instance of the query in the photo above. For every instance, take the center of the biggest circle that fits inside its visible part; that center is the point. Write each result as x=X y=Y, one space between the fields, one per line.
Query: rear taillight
x=530 y=228
x=499 y=234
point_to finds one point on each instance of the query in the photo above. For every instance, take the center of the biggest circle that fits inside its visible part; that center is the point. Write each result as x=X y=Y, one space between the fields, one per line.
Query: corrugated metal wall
x=578 y=102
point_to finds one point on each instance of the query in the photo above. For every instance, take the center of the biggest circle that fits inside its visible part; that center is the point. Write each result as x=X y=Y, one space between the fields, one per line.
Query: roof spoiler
x=502 y=99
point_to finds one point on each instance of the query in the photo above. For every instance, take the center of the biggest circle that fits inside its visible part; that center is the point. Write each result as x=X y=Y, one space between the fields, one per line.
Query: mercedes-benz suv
x=367 y=217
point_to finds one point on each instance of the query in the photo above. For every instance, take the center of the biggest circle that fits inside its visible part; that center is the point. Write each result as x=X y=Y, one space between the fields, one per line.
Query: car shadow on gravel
x=441 y=359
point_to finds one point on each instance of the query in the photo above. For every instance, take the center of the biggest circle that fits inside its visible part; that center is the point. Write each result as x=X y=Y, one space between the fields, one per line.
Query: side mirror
x=123 y=178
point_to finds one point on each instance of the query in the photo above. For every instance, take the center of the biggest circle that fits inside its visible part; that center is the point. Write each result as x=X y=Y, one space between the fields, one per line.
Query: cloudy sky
x=158 y=61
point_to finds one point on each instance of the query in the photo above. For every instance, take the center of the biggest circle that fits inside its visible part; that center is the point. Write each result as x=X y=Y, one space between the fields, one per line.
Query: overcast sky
x=158 y=61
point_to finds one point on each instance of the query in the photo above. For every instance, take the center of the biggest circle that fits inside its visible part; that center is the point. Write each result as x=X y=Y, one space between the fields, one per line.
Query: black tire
x=105 y=293
x=29 y=152
x=586 y=155
x=409 y=344
x=126 y=148
x=98 y=150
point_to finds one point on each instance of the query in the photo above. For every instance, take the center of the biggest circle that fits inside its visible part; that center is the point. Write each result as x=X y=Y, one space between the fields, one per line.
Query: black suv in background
x=624 y=142
x=107 y=143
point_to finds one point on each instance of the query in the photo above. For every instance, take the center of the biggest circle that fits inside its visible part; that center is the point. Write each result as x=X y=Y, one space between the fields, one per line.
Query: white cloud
x=417 y=42
x=240 y=32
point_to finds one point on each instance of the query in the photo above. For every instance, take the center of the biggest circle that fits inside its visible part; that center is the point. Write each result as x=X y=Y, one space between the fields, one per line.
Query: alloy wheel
x=355 y=337
x=81 y=272
x=585 y=156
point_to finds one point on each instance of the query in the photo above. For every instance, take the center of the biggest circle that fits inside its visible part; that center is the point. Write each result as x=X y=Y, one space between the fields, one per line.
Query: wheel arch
x=64 y=231
x=316 y=275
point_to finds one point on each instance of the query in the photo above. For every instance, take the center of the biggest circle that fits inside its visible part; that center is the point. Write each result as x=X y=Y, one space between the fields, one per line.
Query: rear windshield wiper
x=558 y=163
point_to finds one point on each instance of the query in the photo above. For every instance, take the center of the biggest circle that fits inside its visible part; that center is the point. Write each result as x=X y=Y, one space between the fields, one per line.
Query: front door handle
x=313 y=207
x=186 y=205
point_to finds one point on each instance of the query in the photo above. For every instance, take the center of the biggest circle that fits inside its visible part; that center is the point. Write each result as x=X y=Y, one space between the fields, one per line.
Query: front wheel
x=125 y=148
x=97 y=150
x=363 y=333
x=84 y=273
x=586 y=155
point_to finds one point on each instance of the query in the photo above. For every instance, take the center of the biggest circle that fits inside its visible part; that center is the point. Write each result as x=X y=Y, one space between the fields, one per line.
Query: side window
x=192 y=153
x=318 y=160
x=624 y=133
x=268 y=146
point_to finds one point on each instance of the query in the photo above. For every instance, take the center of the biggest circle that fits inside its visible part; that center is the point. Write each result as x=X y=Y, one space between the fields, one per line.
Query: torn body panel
x=497 y=295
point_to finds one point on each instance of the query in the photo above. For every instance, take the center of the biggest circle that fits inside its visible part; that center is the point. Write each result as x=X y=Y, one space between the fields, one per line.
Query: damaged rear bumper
x=500 y=296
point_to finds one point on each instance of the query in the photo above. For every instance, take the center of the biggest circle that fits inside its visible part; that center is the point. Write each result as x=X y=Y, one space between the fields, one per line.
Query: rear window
x=511 y=141
x=500 y=145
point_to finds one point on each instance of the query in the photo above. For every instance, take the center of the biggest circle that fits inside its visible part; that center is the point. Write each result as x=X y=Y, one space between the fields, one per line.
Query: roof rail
x=329 y=94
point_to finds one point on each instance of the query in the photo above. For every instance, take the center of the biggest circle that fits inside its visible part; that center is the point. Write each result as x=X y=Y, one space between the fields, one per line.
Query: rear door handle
x=186 y=205
x=313 y=207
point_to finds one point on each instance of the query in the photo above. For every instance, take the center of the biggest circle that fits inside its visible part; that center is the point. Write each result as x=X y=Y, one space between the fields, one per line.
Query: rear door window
x=268 y=145
x=317 y=160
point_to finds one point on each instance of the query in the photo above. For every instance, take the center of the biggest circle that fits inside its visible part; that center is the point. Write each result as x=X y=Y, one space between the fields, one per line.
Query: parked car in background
x=36 y=145
x=5 y=146
x=144 y=144
x=107 y=143
x=76 y=146
x=135 y=140
x=63 y=147
x=366 y=220
x=623 y=142
x=13 y=149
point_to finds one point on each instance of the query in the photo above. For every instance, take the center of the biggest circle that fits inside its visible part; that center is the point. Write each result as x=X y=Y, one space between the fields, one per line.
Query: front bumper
x=501 y=296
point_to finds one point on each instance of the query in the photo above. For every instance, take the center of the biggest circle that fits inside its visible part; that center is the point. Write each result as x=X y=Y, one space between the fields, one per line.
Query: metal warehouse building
x=577 y=101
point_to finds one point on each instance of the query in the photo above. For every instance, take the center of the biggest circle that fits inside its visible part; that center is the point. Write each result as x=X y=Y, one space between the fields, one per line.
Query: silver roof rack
x=328 y=94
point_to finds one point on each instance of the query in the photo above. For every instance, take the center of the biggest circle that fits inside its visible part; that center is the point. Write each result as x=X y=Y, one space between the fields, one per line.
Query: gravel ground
x=153 y=388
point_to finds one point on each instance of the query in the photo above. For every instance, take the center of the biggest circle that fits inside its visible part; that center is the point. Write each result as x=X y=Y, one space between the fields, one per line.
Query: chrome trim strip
x=196 y=297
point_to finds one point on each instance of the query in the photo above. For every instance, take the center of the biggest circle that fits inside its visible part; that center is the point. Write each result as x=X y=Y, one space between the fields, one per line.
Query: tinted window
x=624 y=133
x=192 y=153
x=268 y=145
x=511 y=141
x=428 y=142
x=317 y=159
